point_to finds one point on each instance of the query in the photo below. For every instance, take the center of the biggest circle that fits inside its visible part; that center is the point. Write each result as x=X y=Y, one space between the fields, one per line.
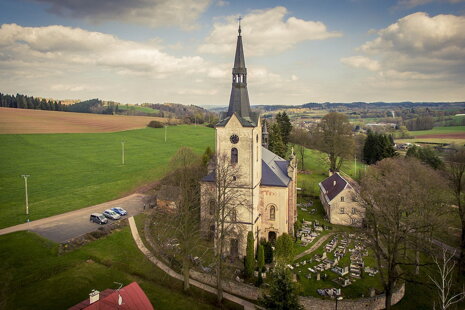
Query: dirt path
x=135 y=234
x=72 y=224
x=315 y=246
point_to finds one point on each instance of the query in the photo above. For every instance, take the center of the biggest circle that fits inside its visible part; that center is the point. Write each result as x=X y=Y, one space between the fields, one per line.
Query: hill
x=14 y=121
x=72 y=171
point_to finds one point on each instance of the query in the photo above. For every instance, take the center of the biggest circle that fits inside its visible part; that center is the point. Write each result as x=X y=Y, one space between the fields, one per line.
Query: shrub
x=155 y=124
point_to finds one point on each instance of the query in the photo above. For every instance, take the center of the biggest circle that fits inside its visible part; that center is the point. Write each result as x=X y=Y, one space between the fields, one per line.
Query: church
x=266 y=185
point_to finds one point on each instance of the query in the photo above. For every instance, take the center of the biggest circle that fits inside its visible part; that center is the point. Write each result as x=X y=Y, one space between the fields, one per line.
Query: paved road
x=63 y=227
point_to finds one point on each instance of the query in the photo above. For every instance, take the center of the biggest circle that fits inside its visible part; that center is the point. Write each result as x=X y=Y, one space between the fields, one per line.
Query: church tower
x=239 y=137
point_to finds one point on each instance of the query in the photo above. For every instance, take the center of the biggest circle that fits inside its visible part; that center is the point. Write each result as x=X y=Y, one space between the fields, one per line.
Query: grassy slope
x=34 y=276
x=71 y=171
x=439 y=130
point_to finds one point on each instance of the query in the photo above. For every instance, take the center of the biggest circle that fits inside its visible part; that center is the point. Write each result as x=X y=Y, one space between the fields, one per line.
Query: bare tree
x=403 y=202
x=179 y=229
x=334 y=137
x=301 y=138
x=455 y=168
x=444 y=281
x=226 y=201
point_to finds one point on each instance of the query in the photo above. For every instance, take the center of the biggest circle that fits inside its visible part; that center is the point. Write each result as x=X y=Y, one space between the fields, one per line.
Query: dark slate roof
x=274 y=169
x=333 y=185
x=239 y=61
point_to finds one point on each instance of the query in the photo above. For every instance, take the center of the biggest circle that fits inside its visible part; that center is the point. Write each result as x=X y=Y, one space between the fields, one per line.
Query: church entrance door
x=234 y=251
x=272 y=236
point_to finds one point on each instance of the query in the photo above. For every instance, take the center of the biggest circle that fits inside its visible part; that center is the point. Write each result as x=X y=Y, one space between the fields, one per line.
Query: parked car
x=119 y=210
x=98 y=218
x=112 y=215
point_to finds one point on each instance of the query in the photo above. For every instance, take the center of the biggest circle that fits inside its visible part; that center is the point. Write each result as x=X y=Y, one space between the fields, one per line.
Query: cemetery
x=341 y=267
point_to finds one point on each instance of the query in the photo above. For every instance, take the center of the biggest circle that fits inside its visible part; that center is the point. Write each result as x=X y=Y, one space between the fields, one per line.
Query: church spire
x=239 y=99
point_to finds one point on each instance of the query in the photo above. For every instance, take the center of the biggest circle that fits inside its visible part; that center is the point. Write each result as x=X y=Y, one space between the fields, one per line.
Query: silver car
x=112 y=215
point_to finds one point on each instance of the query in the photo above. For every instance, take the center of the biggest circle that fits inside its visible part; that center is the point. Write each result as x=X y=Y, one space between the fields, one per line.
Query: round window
x=234 y=139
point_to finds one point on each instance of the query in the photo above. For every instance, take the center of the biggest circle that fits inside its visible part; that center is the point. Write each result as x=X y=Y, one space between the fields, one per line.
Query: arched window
x=211 y=206
x=272 y=213
x=234 y=156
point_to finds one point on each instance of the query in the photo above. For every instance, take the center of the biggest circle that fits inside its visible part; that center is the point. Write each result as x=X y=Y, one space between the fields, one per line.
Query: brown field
x=18 y=121
x=454 y=135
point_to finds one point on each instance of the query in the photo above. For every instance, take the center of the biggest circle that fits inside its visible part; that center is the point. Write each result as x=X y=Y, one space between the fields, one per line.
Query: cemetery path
x=315 y=246
x=135 y=234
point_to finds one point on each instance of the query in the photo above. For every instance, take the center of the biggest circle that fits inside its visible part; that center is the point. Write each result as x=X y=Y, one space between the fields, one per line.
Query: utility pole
x=355 y=164
x=165 y=132
x=122 y=152
x=25 y=176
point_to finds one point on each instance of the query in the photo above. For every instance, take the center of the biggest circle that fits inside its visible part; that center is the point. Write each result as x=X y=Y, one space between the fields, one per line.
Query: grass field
x=440 y=131
x=72 y=171
x=138 y=109
x=17 y=121
x=35 y=276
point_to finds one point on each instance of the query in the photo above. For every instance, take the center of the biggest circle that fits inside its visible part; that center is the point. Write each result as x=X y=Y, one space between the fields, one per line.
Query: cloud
x=361 y=62
x=58 y=46
x=154 y=13
x=267 y=31
x=417 y=47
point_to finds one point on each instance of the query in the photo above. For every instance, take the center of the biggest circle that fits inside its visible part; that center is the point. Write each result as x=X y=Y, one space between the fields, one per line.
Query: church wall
x=277 y=196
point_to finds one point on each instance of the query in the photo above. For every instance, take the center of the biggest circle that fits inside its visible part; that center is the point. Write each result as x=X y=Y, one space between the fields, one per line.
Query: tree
x=250 y=256
x=282 y=294
x=403 y=206
x=284 y=252
x=444 y=281
x=334 y=137
x=226 y=199
x=276 y=143
x=181 y=226
x=301 y=138
x=377 y=147
x=285 y=126
x=260 y=263
x=455 y=170
x=426 y=155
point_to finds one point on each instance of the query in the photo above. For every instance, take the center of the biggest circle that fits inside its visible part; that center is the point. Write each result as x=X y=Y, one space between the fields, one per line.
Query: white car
x=112 y=215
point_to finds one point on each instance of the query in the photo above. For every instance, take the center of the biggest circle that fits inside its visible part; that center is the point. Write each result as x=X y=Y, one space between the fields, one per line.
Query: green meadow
x=72 y=171
x=36 y=276
x=439 y=131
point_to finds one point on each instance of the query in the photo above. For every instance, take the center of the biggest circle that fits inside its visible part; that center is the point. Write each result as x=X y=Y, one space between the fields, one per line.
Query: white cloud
x=267 y=31
x=154 y=13
x=417 y=47
x=56 y=46
x=361 y=62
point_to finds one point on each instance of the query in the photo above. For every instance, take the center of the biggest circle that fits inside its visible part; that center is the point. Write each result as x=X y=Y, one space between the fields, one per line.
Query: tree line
x=26 y=102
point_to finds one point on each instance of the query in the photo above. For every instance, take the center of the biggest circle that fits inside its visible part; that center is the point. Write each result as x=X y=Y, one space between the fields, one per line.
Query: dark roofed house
x=339 y=200
x=130 y=297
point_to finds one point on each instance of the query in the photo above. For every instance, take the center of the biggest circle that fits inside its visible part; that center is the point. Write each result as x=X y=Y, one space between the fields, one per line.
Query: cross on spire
x=239 y=19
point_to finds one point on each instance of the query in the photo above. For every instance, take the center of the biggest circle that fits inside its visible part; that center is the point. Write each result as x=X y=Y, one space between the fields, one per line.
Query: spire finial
x=239 y=19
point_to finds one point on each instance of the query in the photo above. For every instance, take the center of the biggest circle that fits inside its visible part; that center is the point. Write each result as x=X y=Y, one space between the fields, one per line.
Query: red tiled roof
x=132 y=297
x=334 y=185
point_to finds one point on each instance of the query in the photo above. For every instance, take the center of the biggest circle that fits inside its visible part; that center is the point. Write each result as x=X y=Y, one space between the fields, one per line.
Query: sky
x=182 y=51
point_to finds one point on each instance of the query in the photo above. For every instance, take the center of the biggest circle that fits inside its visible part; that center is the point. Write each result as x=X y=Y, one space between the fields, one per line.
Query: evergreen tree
x=268 y=250
x=282 y=294
x=250 y=256
x=284 y=252
x=285 y=126
x=377 y=147
x=260 y=263
x=276 y=143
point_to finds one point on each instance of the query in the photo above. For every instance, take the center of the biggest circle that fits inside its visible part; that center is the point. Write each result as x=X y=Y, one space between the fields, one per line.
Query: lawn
x=439 y=130
x=72 y=171
x=35 y=276
x=137 y=109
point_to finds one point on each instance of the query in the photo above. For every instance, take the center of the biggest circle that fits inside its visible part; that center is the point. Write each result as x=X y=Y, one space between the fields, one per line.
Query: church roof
x=239 y=99
x=333 y=185
x=274 y=169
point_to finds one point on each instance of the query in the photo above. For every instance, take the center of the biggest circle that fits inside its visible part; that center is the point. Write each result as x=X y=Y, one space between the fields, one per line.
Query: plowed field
x=18 y=121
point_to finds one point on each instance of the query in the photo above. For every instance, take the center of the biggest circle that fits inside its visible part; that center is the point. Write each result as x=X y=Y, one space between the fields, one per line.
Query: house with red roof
x=130 y=297
x=339 y=199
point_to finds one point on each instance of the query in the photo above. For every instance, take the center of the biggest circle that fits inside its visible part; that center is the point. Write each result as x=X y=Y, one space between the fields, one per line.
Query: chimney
x=334 y=183
x=94 y=296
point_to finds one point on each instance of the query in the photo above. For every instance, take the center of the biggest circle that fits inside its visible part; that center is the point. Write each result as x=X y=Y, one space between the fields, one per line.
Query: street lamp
x=338 y=298
x=25 y=176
